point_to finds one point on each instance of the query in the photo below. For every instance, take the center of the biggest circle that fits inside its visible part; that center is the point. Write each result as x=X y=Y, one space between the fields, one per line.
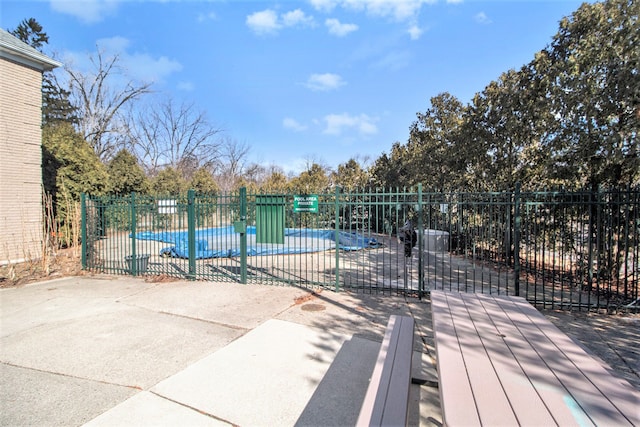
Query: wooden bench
x=501 y=362
x=387 y=399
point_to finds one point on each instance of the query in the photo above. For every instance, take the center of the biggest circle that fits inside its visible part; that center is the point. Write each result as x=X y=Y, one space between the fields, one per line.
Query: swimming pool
x=224 y=242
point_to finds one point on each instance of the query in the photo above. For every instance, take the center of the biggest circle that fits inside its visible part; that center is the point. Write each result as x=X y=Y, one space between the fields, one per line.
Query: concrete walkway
x=110 y=351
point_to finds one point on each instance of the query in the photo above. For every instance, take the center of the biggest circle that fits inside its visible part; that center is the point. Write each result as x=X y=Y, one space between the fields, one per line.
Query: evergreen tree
x=570 y=117
x=275 y=183
x=70 y=167
x=30 y=32
x=351 y=176
x=203 y=183
x=168 y=182
x=393 y=170
x=436 y=150
x=595 y=90
x=127 y=175
x=56 y=106
x=313 y=180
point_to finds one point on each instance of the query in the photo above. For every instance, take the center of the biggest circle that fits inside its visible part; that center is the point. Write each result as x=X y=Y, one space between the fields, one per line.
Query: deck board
x=501 y=362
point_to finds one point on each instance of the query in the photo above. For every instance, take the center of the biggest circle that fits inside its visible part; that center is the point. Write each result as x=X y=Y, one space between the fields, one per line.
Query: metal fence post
x=337 y=236
x=191 y=233
x=83 y=229
x=243 y=236
x=516 y=239
x=420 y=244
x=134 y=257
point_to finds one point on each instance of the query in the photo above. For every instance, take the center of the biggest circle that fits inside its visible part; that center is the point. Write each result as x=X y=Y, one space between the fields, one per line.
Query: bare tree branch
x=175 y=135
x=99 y=99
x=232 y=163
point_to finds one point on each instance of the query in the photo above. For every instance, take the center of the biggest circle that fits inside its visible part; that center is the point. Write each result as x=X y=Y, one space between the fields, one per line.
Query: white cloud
x=297 y=18
x=324 y=82
x=292 y=124
x=337 y=124
x=134 y=65
x=268 y=21
x=482 y=18
x=264 y=22
x=138 y=65
x=454 y=1
x=149 y=69
x=116 y=44
x=400 y=10
x=415 y=32
x=87 y=11
x=324 y=5
x=336 y=28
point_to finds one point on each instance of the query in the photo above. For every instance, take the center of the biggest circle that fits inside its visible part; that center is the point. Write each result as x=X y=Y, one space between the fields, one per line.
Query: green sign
x=307 y=203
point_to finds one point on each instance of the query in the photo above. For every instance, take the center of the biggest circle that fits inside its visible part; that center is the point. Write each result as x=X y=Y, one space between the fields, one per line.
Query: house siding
x=21 y=221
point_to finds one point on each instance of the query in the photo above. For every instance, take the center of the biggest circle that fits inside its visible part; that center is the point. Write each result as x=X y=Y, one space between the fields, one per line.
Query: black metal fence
x=573 y=250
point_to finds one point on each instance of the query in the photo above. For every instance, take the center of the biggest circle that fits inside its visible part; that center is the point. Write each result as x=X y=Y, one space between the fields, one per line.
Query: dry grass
x=66 y=262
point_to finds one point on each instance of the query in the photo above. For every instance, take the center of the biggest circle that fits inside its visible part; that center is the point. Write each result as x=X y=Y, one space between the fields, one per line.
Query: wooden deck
x=501 y=362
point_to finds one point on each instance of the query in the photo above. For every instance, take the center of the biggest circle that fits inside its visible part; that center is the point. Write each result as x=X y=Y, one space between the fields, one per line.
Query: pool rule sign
x=305 y=203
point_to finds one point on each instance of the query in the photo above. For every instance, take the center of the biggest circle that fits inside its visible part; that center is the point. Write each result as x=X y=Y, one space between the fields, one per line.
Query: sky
x=299 y=81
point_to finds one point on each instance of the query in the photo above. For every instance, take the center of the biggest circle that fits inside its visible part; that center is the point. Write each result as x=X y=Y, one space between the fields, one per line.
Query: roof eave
x=39 y=62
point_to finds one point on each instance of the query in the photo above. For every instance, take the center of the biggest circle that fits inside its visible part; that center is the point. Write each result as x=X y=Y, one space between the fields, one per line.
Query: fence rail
x=570 y=250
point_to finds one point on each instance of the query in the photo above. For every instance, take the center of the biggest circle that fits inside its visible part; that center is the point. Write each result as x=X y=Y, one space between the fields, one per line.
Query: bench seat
x=387 y=399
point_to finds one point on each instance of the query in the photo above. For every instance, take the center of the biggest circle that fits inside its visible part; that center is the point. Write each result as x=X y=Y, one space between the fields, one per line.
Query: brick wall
x=20 y=163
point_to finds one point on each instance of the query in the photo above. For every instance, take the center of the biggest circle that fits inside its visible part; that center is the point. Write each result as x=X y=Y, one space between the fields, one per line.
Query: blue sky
x=319 y=80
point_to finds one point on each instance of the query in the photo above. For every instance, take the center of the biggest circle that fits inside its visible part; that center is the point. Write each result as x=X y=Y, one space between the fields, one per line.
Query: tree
x=500 y=120
x=99 y=100
x=168 y=182
x=255 y=173
x=435 y=146
x=69 y=168
x=593 y=67
x=203 y=183
x=231 y=163
x=313 y=180
x=30 y=31
x=276 y=182
x=126 y=174
x=392 y=170
x=351 y=176
x=570 y=117
x=595 y=90
x=56 y=106
x=69 y=165
x=251 y=186
x=176 y=135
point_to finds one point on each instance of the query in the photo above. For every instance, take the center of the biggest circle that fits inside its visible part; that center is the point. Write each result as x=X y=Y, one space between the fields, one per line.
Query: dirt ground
x=66 y=262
